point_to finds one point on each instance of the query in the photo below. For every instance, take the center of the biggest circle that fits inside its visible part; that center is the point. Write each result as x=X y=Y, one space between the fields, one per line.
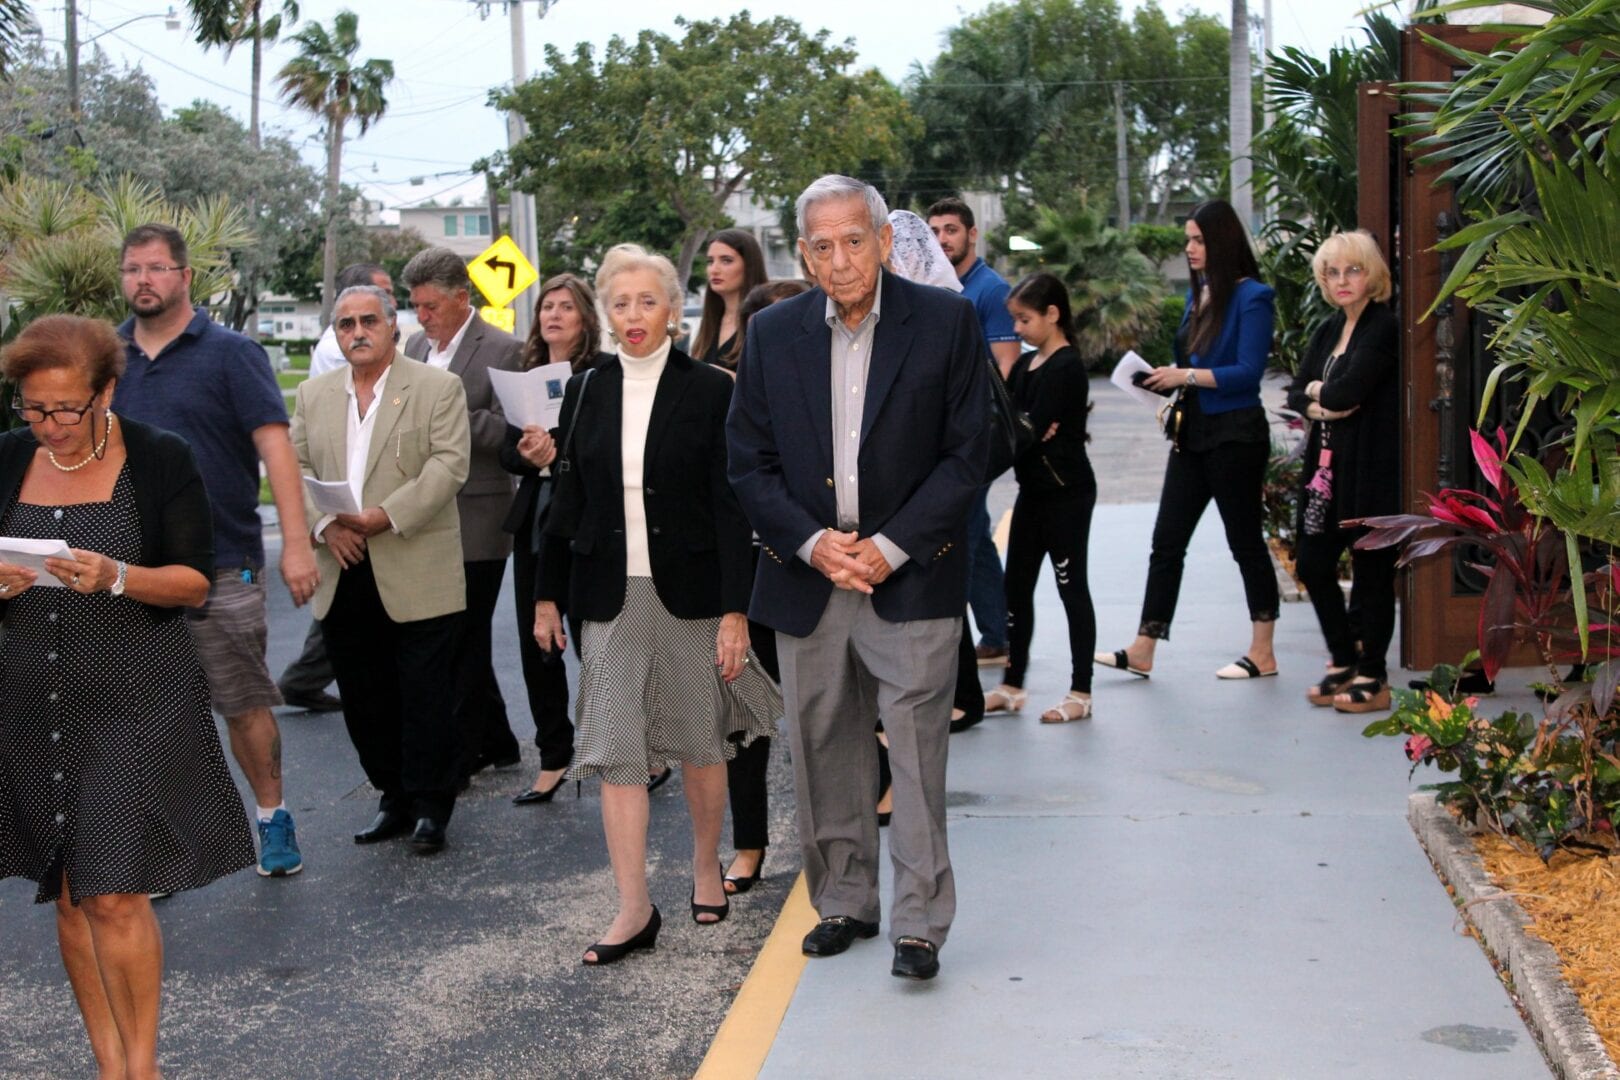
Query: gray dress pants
x=852 y=667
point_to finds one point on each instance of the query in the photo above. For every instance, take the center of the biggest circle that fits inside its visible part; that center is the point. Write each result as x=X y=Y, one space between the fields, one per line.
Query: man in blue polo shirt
x=952 y=222
x=215 y=389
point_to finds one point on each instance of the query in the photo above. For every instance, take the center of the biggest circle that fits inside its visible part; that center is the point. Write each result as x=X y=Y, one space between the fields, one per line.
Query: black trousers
x=311 y=673
x=1056 y=524
x=746 y=773
x=397 y=704
x=481 y=725
x=1233 y=475
x=545 y=676
x=1372 y=597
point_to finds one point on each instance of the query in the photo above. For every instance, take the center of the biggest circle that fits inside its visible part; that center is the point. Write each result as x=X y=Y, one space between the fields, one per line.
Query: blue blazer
x=923 y=449
x=1238 y=357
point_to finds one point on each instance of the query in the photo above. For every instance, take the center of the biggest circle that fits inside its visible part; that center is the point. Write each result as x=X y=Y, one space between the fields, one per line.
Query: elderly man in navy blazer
x=858 y=438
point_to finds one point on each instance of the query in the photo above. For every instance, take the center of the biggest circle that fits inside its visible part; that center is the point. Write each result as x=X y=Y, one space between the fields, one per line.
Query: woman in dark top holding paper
x=112 y=782
x=1347 y=387
x=1222 y=443
x=1056 y=495
x=566 y=331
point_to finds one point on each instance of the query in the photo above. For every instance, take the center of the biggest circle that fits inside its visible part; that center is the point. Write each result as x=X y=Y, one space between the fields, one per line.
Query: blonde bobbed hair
x=1358 y=248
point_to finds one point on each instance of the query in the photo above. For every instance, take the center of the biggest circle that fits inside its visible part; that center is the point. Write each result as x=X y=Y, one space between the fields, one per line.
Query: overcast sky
x=446 y=57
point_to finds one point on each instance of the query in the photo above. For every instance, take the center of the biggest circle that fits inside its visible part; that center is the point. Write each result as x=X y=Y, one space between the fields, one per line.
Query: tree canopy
x=731 y=105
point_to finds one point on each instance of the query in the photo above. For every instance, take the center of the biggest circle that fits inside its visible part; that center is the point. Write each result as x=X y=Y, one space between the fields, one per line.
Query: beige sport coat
x=418 y=461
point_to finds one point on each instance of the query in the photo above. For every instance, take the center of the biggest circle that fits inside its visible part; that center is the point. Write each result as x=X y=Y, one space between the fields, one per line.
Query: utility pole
x=493 y=196
x=1122 y=165
x=72 y=45
x=523 y=211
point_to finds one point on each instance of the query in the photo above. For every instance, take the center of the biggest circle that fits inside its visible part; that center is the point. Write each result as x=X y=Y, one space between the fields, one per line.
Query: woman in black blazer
x=648 y=546
x=566 y=330
x=1348 y=388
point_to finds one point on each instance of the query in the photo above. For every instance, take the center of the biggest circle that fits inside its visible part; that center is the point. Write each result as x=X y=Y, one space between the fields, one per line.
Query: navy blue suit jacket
x=923 y=449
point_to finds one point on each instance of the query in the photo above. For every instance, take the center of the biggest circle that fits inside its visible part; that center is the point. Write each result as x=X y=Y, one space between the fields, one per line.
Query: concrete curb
x=1568 y=1040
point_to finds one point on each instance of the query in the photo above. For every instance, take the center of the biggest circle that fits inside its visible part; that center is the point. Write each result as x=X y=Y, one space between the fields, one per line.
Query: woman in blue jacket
x=1222 y=441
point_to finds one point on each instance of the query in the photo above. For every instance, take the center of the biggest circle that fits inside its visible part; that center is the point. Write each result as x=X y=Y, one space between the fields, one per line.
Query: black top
x=698 y=540
x=1201 y=431
x=1055 y=392
x=527 y=500
x=717 y=354
x=1366 y=444
x=176 y=522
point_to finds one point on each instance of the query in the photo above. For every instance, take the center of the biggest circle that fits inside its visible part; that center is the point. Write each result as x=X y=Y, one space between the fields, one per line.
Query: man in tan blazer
x=392 y=590
x=456 y=340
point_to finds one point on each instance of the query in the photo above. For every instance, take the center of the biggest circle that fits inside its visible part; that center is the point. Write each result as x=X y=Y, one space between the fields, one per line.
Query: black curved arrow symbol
x=496 y=264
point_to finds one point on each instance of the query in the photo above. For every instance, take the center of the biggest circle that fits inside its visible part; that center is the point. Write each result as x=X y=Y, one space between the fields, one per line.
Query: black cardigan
x=520 y=518
x=177 y=526
x=697 y=537
x=1366 y=444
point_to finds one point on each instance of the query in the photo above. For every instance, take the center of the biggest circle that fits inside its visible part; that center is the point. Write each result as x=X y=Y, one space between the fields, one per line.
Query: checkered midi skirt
x=651 y=695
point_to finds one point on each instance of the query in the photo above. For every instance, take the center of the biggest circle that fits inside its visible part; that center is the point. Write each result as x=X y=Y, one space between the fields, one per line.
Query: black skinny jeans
x=1055 y=523
x=746 y=773
x=545 y=676
x=1372 y=597
x=1232 y=474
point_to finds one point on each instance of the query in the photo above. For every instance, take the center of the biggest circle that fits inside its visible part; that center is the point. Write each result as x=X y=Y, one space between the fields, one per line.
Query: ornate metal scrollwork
x=1445 y=367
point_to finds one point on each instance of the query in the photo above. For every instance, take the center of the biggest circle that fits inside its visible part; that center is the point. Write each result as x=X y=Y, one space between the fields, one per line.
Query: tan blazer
x=418 y=461
x=487 y=496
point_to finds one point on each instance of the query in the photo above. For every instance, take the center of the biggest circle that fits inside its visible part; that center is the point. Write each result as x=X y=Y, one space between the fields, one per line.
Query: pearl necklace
x=94 y=456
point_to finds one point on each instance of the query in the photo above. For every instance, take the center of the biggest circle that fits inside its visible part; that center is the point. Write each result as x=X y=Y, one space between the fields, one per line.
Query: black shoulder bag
x=1011 y=433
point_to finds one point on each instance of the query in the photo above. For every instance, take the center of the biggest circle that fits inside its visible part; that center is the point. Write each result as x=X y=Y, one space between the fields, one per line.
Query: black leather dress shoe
x=428 y=839
x=915 y=958
x=385 y=826
x=836 y=933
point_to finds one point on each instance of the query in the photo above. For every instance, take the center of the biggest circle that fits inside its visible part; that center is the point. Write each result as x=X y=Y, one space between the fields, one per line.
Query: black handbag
x=1011 y=433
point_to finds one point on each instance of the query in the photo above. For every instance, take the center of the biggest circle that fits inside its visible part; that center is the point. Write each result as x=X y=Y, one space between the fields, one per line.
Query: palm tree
x=228 y=23
x=327 y=80
x=1240 y=114
x=15 y=20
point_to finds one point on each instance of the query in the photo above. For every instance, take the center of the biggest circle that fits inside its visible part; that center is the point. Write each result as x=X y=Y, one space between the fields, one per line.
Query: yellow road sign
x=503 y=317
x=501 y=272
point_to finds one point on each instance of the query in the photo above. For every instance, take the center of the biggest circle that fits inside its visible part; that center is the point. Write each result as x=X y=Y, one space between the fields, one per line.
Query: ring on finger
x=75 y=579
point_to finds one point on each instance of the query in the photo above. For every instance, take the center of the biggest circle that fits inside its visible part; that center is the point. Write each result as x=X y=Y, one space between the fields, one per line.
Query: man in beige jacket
x=392 y=589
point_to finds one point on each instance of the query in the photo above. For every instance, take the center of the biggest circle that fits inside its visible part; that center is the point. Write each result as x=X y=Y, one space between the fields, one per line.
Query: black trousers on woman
x=1372 y=596
x=544 y=674
x=745 y=773
x=1055 y=523
x=1233 y=475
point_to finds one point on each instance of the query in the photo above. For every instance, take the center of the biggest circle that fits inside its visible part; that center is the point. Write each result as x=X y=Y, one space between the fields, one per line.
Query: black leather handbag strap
x=566 y=456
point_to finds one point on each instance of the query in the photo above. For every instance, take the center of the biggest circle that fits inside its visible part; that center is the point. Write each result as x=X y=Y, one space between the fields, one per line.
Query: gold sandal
x=1074 y=706
x=1004 y=700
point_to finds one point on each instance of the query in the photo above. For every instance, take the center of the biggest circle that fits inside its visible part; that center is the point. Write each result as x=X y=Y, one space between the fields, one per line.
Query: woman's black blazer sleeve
x=1310 y=365
x=1368 y=361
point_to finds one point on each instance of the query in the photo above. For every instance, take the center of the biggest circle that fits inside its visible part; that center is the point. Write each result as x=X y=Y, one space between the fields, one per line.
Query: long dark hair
x=1228 y=258
x=714 y=305
x=580 y=355
x=1042 y=290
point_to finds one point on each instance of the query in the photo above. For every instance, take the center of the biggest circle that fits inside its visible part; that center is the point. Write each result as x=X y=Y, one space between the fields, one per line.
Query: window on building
x=476 y=224
x=450 y=221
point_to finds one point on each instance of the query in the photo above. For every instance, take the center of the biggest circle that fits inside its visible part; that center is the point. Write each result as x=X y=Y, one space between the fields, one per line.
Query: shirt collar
x=455 y=339
x=382 y=380
x=871 y=316
x=199 y=324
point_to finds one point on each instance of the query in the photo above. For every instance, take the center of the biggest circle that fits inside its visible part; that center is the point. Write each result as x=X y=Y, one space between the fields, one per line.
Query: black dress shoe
x=915 y=958
x=646 y=938
x=836 y=933
x=659 y=779
x=320 y=701
x=428 y=839
x=385 y=826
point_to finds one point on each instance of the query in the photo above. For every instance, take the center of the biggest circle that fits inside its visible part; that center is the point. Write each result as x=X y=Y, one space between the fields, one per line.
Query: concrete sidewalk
x=1208 y=880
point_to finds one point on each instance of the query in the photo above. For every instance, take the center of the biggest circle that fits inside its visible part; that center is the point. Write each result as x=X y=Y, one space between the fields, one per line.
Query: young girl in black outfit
x=1057 y=493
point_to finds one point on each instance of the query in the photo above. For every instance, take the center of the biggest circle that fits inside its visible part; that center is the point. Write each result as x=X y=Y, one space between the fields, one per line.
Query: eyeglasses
x=148 y=271
x=33 y=414
x=1334 y=273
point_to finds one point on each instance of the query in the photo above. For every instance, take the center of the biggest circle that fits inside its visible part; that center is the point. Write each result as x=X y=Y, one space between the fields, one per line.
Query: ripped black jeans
x=1055 y=523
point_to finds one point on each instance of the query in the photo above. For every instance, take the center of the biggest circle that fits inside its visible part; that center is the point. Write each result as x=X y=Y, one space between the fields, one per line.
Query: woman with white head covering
x=916 y=255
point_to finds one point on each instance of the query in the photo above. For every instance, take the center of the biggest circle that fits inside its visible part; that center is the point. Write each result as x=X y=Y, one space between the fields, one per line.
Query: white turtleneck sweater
x=640 y=385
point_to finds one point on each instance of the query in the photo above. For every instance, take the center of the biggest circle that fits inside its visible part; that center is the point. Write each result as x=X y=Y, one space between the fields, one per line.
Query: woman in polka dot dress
x=112 y=782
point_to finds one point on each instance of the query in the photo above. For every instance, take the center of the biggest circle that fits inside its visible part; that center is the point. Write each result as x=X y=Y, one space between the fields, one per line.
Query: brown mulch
x=1574 y=906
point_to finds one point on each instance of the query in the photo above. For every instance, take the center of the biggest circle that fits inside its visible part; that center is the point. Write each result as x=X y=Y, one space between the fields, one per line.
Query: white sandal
x=1004 y=700
x=1074 y=706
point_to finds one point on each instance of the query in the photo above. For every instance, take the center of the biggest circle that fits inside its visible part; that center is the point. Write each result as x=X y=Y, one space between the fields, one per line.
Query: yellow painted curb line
x=1003 y=530
x=744 y=1039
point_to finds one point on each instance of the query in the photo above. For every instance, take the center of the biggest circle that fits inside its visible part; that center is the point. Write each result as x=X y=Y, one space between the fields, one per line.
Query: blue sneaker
x=278 y=846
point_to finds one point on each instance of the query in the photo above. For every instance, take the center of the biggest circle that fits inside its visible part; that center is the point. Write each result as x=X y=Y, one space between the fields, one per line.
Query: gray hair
x=382 y=296
x=833 y=186
x=623 y=257
x=361 y=273
x=436 y=266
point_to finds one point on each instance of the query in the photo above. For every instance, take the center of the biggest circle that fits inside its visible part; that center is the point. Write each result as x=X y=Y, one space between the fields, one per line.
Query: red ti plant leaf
x=1496 y=622
x=1487 y=458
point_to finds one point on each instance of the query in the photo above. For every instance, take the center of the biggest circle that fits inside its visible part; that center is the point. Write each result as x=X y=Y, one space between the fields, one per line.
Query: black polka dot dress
x=110 y=765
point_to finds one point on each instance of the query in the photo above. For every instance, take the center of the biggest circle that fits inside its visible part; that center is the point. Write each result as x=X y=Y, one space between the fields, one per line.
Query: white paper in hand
x=331 y=496
x=1127 y=368
x=31 y=555
x=532 y=398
